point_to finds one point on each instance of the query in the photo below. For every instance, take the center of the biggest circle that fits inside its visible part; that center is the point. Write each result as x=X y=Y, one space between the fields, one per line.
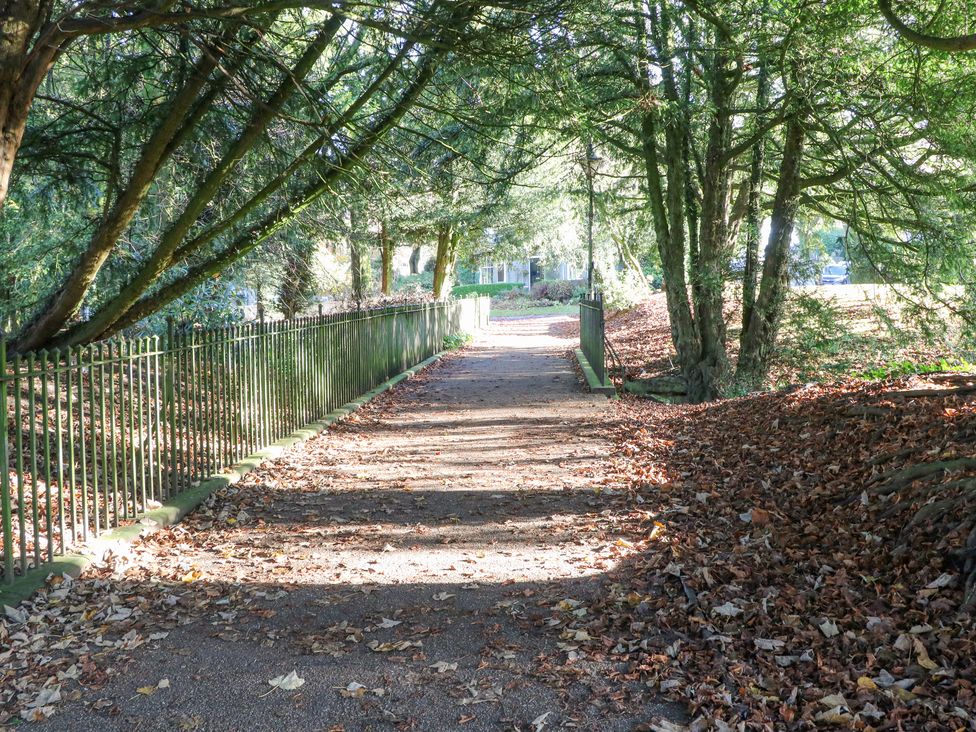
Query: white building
x=528 y=272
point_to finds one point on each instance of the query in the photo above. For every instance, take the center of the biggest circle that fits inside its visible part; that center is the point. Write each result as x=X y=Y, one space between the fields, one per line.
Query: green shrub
x=493 y=289
x=410 y=283
x=623 y=290
x=560 y=290
x=454 y=341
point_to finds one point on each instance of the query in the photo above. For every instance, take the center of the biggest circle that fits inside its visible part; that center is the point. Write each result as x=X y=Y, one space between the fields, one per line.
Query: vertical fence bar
x=144 y=395
x=294 y=390
x=6 y=513
x=138 y=432
x=232 y=441
x=215 y=401
x=183 y=388
x=206 y=403
x=69 y=409
x=247 y=388
x=169 y=361
x=195 y=437
x=125 y=407
x=103 y=435
x=261 y=413
x=260 y=384
x=59 y=428
x=158 y=410
x=45 y=417
x=212 y=397
x=113 y=432
x=278 y=371
x=226 y=432
x=203 y=402
x=19 y=461
x=133 y=476
x=32 y=436
x=82 y=443
x=93 y=436
x=250 y=388
x=269 y=357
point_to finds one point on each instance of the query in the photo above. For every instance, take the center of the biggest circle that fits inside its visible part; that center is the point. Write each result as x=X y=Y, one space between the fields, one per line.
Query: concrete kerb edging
x=596 y=386
x=173 y=510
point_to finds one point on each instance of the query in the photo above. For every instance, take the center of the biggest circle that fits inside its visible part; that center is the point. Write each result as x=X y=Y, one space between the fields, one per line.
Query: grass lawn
x=542 y=310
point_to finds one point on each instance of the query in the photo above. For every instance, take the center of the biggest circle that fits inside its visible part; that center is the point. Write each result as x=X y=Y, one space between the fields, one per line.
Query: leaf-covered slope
x=791 y=563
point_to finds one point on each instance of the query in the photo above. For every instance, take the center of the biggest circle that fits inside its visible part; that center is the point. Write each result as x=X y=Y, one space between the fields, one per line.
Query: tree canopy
x=148 y=151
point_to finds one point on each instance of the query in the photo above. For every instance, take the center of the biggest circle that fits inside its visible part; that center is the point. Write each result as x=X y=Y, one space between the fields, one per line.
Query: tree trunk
x=297 y=282
x=708 y=278
x=630 y=260
x=758 y=341
x=386 y=255
x=22 y=69
x=668 y=197
x=447 y=239
x=208 y=187
x=415 y=260
x=260 y=231
x=64 y=304
x=754 y=209
x=359 y=258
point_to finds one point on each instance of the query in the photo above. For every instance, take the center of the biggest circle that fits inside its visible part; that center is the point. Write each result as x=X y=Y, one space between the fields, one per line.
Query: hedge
x=496 y=288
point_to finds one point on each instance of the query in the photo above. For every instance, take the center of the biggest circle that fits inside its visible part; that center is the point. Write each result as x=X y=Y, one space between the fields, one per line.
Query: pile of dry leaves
x=800 y=559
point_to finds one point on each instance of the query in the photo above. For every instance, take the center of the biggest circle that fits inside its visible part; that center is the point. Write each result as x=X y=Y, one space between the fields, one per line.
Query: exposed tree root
x=919 y=393
x=887 y=457
x=889 y=482
x=863 y=411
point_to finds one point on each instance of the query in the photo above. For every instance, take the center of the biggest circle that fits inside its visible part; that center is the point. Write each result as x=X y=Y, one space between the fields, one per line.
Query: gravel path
x=411 y=565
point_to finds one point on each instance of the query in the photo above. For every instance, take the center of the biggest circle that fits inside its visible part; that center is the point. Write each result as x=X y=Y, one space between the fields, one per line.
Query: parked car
x=835 y=274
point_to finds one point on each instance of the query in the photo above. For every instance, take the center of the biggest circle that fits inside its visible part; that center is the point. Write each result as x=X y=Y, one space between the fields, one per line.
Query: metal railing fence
x=92 y=436
x=592 y=335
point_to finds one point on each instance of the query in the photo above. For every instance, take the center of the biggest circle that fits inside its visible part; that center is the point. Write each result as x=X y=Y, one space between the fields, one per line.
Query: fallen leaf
x=353 y=691
x=922 y=656
x=288 y=682
x=727 y=610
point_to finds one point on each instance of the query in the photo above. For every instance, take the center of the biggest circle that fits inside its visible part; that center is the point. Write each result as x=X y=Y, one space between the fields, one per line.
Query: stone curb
x=596 y=386
x=174 y=509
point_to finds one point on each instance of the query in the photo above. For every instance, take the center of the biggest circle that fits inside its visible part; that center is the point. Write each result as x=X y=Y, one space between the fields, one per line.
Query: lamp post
x=591 y=167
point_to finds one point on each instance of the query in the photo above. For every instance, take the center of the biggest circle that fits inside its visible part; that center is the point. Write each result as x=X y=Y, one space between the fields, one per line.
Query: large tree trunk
x=760 y=338
x=22 y=69
x=259 y=232
x=447 y=240
x=386 y=255
x=707 y=378
x=207 y=189
x=754 y=209
x=136 y=298
x=64 y=304
x=668 y=209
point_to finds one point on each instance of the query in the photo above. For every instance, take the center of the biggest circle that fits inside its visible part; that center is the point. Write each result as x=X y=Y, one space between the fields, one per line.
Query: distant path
x=460 y=508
